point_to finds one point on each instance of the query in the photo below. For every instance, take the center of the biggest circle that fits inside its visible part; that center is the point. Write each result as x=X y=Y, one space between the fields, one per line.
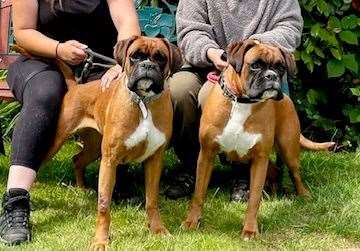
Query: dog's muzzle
x=146 y=79
x=268 y=86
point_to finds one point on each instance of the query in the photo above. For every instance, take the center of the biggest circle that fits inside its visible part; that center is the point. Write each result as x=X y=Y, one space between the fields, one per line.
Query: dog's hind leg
x=60 y=136
x=293 y=163
x=289 y=147
x=91 y=151
x=287 y=137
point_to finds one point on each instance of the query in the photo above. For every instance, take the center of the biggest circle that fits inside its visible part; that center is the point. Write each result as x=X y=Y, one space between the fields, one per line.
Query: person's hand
x=111 y=74
x=72 y=52
x=214 y=55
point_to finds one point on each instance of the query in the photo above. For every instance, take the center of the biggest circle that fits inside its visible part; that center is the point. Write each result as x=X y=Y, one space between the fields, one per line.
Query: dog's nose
x=271 y=75
x=147 y=65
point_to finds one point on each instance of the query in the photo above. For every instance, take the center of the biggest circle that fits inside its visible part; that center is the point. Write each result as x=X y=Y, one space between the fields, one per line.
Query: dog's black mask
x=264 y=80
x=147 y=76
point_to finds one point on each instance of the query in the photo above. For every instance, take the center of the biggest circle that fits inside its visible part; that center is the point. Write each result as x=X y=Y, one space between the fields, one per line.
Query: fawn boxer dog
x=130 y=121
x=243 y=117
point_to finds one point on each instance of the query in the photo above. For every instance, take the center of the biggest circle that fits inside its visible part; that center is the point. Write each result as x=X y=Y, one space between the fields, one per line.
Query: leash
x=93 y=54
x=90 y=64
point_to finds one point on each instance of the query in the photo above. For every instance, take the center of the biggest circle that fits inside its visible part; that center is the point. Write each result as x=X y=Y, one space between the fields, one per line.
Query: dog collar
x=143 y=102
x=229 y=94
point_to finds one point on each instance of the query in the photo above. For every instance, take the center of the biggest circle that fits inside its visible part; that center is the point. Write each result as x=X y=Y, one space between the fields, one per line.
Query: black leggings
x=36 y=124
x=39 y=87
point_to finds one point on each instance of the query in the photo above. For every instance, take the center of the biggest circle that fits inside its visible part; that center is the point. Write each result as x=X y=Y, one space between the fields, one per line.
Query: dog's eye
x=138 y=56
x=256 y=65
x=280 y=68
x=160 y=58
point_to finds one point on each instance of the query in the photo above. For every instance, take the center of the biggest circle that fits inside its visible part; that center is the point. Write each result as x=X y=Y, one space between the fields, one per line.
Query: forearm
x=36 y=43
x=194 y=32
x=129 y=28
x=124 y=16
x=195 y=48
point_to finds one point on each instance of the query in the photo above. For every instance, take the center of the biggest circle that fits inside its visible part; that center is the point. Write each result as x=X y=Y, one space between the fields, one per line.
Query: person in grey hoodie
x=204 y=29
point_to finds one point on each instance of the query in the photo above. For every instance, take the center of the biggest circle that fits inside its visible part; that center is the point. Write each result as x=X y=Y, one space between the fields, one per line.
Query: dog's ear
x=121 y=49
x=236 y=52
x=290 y=63
x=175 y=57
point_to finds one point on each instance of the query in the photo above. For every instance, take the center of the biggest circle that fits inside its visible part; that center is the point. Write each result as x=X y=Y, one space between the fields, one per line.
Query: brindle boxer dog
x=130 y=121
x=243 y=117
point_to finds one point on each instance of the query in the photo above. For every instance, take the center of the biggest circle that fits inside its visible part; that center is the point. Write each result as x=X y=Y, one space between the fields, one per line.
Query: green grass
x=63 y=217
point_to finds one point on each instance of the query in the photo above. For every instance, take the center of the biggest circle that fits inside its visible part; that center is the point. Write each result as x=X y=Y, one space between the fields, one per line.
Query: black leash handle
x=89 y=63
x=102 y=57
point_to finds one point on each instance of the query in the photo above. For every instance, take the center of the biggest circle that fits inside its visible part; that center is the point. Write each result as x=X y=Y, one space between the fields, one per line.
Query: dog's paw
x=99 y=245
x=248 y=235
x=193 y=218
x=191 y=223
x=304 y=194
x=159 y=230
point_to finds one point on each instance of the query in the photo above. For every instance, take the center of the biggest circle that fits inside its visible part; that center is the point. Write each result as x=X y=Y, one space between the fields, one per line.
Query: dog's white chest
x=233 y=137
x=146 y=131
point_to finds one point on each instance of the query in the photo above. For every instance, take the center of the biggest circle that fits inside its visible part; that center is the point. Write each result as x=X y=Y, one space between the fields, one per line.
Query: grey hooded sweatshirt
x=204 y=24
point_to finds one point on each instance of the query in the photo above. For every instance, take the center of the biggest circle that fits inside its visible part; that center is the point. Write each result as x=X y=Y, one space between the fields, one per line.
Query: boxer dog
x=130 y=121
x=243 y=117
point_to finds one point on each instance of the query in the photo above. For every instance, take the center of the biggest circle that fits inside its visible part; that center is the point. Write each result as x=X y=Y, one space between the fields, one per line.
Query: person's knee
x=204 y=93
x=46 y=89
x=13 y=70
x=184 y=87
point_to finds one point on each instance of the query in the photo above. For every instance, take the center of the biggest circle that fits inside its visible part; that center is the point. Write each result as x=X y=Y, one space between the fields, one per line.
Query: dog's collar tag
x=143 y=109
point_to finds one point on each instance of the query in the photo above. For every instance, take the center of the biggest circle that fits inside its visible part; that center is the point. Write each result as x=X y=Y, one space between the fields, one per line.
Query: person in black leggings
x=52 y=29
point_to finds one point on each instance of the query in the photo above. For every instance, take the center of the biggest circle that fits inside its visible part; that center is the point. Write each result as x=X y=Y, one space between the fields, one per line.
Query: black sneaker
x=14 y=220
x=239 y=190
x=182 y=185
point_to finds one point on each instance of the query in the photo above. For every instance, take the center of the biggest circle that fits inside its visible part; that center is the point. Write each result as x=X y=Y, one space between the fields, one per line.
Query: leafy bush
x=157 y=18
x=327 y=90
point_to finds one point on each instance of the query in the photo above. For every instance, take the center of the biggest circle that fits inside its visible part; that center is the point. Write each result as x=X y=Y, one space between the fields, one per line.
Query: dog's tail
x=67 y=72
x=315 y=146
x=64 y=68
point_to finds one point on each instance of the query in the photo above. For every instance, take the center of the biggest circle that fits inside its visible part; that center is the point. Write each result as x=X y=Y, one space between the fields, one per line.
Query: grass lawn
x=63 y=217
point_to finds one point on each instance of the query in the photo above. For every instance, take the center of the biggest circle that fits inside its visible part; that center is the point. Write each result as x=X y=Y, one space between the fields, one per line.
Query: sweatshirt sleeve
x=285 y=26
x=194 y=33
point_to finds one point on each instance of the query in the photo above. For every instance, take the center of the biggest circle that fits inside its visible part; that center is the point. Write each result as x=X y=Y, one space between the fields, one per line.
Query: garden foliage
x=327 y=89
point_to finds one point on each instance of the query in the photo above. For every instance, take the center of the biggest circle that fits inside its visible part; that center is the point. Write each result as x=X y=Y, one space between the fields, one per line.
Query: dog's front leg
x=107 y=177
x=204 y=169
x=153 y=167
x=257 y=180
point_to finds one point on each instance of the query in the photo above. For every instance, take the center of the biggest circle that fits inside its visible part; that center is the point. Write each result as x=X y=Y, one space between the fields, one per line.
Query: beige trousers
x=185 y=87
